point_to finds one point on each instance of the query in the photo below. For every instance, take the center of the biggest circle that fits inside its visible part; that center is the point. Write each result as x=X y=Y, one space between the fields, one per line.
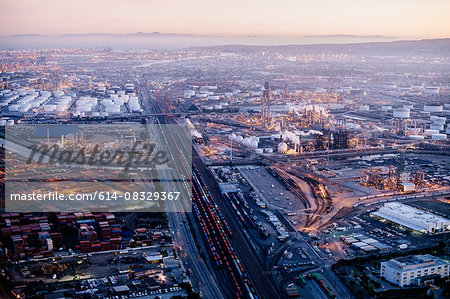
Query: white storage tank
x=437 y=127
x=432 y=108
x=282 y=148
x=58 y=93
x=49 y=108
x=246 y=141
x=83 y=108
x=35 y=104
x=259 y=151
x=416 y=137
x=202 y=95
x=189 y=93
x=106 y=102
x=119 y=101
x=402 y=113
x=113 y=109
x=135 y=107
x=253 y=144
x=439 y=137
x=431 y=90
x=61 y=108
x=13 y=108
x=254 y=138
x=431 y=132
x=24 y=108
x=440 y=120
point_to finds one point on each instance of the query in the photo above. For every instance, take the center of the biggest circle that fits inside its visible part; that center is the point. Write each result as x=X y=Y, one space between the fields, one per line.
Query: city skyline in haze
x=400 y=18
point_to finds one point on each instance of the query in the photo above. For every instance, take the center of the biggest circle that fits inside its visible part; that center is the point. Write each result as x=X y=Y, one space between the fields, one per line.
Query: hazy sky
x=401 y=18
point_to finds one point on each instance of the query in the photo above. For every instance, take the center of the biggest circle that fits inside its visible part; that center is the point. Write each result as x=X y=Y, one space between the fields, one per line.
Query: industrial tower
x=266 y=101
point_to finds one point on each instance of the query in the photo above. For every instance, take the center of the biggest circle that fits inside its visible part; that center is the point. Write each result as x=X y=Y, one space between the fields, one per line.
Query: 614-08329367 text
x=103 y=195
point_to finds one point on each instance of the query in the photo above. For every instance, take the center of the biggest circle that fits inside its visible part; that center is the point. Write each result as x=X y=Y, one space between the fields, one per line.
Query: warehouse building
x=414 y=270
x=413 y=218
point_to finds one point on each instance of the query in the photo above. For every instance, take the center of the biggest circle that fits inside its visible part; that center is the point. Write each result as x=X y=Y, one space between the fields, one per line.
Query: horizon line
x=222 y=35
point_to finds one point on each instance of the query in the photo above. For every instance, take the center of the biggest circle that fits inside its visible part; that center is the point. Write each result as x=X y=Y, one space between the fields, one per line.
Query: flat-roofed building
x=414 y=270
x=413 y=218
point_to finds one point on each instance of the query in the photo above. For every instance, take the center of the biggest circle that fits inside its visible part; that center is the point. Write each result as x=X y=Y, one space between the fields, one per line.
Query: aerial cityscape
x=213 y=163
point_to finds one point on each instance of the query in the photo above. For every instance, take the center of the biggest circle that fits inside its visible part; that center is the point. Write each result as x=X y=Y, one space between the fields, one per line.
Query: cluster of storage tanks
x=31 y=100
x=438 y=123
x=22 y=101
x=436 y=127
x=84 y=105
x=103 y=107
x=205 y=92
x=434 y=132
x=60 y=103
x=405 y=111
x=251 y=142
x=4 y=121
x=412 y=90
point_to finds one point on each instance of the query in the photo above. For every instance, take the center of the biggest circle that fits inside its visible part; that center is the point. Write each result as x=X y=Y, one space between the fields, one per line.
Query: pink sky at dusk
x=401 y=18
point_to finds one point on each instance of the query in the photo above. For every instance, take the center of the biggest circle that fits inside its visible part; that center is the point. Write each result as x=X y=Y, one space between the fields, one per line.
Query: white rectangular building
x=413 y=218
x=414 y=270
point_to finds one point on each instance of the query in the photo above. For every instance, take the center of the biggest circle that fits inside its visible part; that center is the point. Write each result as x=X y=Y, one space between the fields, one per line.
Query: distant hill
x=352 y=36
x=157 y=40
x=422 y=47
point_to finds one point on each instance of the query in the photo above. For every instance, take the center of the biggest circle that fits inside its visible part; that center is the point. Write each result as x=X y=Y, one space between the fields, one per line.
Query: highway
x=242 y=260
x=228 y=269
x=182 y=235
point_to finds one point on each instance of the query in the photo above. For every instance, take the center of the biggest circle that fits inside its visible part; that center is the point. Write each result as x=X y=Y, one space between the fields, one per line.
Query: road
x=203 y=279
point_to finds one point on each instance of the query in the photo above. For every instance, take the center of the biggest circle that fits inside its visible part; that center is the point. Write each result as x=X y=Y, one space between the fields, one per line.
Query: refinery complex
x=308 y=171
